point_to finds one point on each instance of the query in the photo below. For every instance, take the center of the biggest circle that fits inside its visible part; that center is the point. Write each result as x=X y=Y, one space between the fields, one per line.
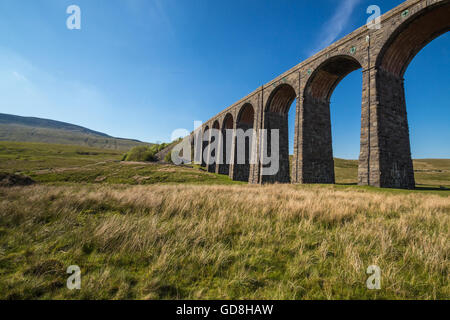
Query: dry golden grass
x=191 y=241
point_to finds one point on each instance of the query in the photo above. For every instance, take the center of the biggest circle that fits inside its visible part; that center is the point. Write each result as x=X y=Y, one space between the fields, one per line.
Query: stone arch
x=393 y=150
x=328 y=74
x=411 y=36
x=227 y=134
x=276 y=117
x=243 y=142
x=280 y=99
x=246 y=115
x=317 y=163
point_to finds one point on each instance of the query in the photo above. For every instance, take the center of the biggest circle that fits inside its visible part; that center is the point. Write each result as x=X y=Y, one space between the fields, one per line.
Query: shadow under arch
x=214 y=146
x=225 y=146
x=244 y=122
x=405 y=42
x=316 y=162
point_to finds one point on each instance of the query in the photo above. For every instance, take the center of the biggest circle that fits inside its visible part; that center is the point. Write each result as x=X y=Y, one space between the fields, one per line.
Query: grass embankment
x=185 y=241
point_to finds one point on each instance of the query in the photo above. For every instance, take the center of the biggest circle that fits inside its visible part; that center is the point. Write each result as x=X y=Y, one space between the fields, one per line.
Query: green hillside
x=27 y=129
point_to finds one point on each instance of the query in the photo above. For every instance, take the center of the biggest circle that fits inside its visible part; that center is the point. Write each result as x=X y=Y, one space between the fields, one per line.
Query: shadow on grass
x=431 y=188
x=418 y=187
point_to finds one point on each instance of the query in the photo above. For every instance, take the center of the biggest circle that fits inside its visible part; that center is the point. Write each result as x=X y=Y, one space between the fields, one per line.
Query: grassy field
x=427 y=172
x=65 y=163
x=48 y=163
x=152 y=231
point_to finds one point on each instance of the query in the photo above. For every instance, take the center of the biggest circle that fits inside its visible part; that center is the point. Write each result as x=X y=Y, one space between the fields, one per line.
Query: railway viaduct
x=383 y=55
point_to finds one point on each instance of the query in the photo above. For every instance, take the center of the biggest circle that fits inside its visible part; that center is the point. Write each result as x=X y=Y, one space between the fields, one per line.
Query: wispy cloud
x=335 y=25
x=19 y=76
x=26 y=89
x=155 y=11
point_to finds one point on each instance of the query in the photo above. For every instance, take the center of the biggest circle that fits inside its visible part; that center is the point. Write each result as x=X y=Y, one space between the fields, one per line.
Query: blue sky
x=142 y=68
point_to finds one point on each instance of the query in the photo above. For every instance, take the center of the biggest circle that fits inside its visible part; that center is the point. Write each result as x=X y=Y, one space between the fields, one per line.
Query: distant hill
x=28 y=129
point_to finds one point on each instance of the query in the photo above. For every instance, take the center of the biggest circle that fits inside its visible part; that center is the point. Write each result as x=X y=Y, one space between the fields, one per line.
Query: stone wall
x=396 y=168
x=279 y=121
x=316 y=152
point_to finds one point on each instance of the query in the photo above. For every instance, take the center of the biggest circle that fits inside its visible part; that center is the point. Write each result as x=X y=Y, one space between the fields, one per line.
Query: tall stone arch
x=213 y=147
x=275 y=117
x=244 y=139
x=315 y=154
x=390 y=152
x=226 y=144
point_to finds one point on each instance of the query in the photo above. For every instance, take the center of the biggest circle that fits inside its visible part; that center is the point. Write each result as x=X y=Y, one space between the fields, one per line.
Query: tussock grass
x=222 y=241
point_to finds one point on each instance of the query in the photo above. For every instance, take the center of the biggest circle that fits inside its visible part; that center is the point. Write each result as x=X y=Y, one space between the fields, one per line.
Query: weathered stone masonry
x=383 y=55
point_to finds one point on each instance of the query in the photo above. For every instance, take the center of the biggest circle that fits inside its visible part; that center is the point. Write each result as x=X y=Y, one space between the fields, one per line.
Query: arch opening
x=428 y=113
x=345 y=114
x=317 y=162
x=276 y=116
x=243 y=142
x=291 y=134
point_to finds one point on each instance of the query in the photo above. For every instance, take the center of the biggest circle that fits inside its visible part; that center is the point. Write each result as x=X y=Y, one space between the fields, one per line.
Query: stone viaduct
x=383 y=55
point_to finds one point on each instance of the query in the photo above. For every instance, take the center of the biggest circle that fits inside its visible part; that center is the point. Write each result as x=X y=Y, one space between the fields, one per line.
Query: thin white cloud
x=155 y=11
x=334 y=27
x=26 y=89
x=19 y=76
